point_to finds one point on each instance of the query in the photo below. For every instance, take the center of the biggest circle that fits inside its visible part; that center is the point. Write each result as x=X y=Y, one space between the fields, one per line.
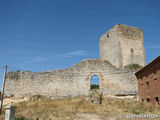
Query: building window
x=107 y=36
x=155 y=79
x=94 y=82
x=157 y=101
x=147 y=84
x=147 y=100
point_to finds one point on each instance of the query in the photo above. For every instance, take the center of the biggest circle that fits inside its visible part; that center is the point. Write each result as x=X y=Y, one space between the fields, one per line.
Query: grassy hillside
x=80 y=108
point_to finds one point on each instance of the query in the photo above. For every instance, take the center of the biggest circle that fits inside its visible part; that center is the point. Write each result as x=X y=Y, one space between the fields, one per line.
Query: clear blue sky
x=39 y=35
x=94 y=80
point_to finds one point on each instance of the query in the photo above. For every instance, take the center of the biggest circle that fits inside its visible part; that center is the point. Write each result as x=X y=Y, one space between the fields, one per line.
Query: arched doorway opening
x=94 y=82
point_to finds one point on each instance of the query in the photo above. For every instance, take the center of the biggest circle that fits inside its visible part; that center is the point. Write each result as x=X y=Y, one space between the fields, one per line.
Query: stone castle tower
x=123 y=45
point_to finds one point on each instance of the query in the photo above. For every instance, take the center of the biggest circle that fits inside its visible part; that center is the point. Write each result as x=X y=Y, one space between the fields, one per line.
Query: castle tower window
x=132 y=51
x=94 y=82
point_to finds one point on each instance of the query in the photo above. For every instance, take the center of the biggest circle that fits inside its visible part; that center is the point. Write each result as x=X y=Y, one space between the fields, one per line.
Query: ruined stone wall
x=74 y=81
x=123 y=45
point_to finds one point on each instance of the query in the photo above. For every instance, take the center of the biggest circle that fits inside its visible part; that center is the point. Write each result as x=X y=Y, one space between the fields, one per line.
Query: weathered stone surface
x=74 y=81
x=123 y=45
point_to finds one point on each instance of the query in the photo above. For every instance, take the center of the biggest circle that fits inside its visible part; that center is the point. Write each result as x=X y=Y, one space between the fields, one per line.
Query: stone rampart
x=71 y=82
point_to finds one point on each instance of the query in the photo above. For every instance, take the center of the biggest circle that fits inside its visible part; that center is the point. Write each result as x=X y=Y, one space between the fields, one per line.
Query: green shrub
x=133 y=66
x=135 y=111
x=94 y=86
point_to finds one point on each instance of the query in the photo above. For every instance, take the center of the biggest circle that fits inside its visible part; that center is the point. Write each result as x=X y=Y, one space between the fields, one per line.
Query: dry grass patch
x=69 y=108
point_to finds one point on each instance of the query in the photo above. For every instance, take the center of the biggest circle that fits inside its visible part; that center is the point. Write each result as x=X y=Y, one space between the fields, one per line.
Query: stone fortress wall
x=75 y=81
